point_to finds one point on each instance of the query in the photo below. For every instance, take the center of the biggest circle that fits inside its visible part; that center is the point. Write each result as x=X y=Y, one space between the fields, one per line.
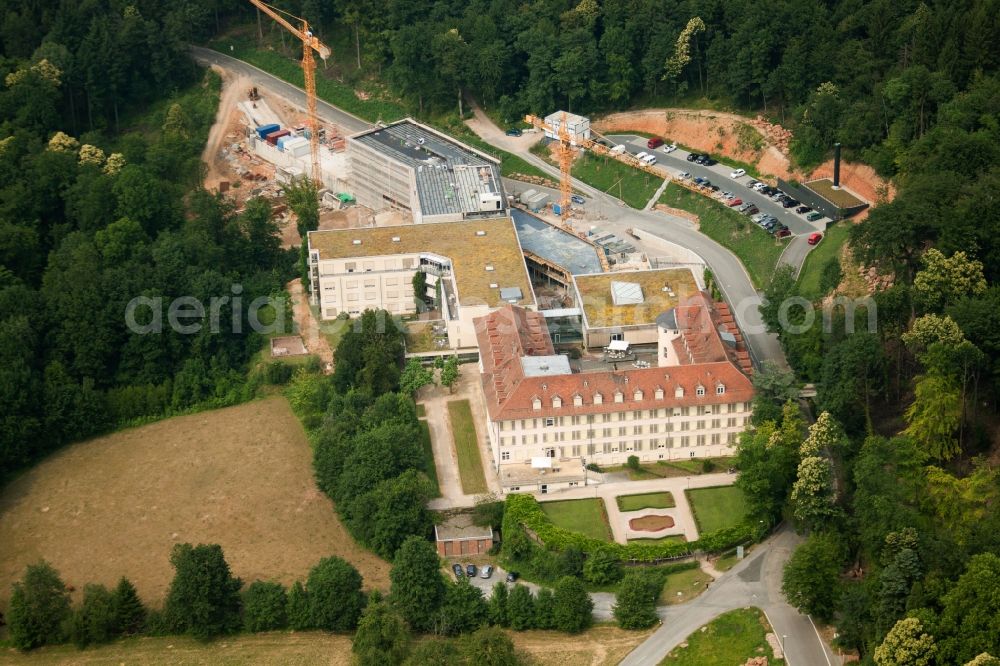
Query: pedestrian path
x=657 y=194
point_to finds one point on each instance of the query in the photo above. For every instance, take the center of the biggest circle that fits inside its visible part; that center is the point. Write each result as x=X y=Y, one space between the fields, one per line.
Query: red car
x=655 y=142
x=734 y=202
x=815 y=238
x=783 y=233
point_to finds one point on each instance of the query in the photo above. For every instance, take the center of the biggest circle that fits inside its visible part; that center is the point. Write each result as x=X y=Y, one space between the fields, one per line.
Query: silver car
x=487 y=571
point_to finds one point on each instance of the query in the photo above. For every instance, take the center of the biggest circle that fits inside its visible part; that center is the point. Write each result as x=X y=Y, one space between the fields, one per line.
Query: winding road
x=756 y=581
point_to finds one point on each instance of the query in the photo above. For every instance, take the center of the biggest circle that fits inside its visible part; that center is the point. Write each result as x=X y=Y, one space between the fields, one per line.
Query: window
x=369 y=284
x=556 y=402
x=701 y=424
x=369 y=295
x=702 y=409
x=352 y=297
x=392 y=294
x=731 y=407
x=685 y=425
x=701 y=440
x=621 y=431
x=716 y=409
x=577 y=401
x=679 y=392
x=636 y=430
x=700 y=391
x=606 y=432
x=619 y=396
x=351 y=284
x=549 y=422
x=659 y=393
x=685 y=411
x=350 y=266
x=605 y=418
x=655 y=427
x=715 y=438
x=536 y=404
x=731 y=422
x=598 y=399
x=638 y=445
x=685 y=442
x=591 y=449
x=505 y=455
x=720 y=389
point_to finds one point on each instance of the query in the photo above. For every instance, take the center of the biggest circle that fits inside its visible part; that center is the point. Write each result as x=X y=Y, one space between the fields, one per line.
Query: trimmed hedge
x=523 y=512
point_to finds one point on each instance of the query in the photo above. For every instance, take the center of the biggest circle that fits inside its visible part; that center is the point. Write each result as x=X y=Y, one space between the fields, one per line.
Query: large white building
x=479 y=265
x=413 y=168
x=693 y=403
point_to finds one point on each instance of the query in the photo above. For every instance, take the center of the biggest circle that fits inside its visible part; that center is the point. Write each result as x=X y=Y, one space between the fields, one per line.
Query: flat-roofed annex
x=471 y=253
x=660 y=289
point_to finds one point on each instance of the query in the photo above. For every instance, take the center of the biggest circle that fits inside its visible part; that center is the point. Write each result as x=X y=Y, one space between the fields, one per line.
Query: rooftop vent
x=493 y=285
x=480 y=233
x=356 y=241
x=489 y=267
x=395 y=239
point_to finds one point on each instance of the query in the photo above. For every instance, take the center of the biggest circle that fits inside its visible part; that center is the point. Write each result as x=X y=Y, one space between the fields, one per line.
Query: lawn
x=755 y=248
x=678 y=538
x=688 y=583
x=697 y=465
x=829 y=248
x=586 y=516
x=115 y=505
x=632 y=186
x=716 y=508
x=421 y=411
x=470 y=463
x=645 y=501
x=728 y=640
x=428 y=467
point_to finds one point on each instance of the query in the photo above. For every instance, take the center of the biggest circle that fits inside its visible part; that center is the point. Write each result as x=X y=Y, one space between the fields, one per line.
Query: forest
x=103 y=117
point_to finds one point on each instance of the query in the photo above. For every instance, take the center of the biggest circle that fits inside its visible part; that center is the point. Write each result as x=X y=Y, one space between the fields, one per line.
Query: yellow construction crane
x=310 y=43
x=565 y=154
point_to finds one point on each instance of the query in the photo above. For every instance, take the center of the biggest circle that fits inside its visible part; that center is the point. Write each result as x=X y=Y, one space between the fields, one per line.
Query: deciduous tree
x=418 y=589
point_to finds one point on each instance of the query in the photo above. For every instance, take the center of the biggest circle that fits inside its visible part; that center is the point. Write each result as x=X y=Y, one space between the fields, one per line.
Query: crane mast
x=310 y=43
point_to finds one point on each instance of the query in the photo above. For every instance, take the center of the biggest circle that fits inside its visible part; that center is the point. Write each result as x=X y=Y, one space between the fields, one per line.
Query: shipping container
x=264 y=130
x=273 y=137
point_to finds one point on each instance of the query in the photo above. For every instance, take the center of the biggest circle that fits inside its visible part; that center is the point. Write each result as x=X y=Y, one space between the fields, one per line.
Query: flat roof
x=450 y=175
x=460 y=242
x=459 y=527
x=840 y=198
x=545 y=366
x=561 y=248
x=600 y=311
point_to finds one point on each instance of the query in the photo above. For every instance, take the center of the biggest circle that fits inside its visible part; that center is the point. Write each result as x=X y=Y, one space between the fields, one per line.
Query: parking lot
x=675 y=162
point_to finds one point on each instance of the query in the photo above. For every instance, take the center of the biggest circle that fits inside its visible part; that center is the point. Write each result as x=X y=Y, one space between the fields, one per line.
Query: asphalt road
x=756 y=581
x=676 y=162
x=349 y=122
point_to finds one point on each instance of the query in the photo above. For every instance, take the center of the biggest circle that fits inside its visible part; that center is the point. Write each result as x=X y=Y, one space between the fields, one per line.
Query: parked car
x=702 y=159
x=671 y=148
x=578 y=200
x=752 y=210
x=457 y=568
x=693 y=157
x=726 y=194
x=759 y=186
x=698 y=180
x=778 y=196
x=649 y=159
x=470 y=570
x=684 y=175
x=512 y=576
x=752 y=183
x=735 y=202
x=770 y=224
x=618 y=150
x=813 y=216
x=514 y=131
x=790 y=203
x=709 y=161
x=739 y=173
x=714 y=188
x=783 y=233
x=641 y=155
x=487 y=571
x=654 y=142
x=803 y=209
x=815 y=238
x=758 y=217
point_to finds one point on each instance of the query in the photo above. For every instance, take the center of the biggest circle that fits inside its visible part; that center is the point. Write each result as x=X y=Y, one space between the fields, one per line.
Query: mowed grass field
x=470 y=462
x=716 y=508
x=662 y=500
x=586 y=516
x=115 y=506
x=600 y=646
x=732 y=638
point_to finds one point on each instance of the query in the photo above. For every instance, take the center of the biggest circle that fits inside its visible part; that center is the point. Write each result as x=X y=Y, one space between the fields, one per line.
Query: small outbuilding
x=458 y=535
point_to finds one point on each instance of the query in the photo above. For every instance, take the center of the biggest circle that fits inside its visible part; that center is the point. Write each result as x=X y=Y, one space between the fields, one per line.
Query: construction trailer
x=577 y=127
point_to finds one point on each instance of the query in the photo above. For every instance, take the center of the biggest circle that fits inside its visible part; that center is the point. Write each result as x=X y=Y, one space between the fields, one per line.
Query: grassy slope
x=716 y=508
x=632 y=186
x=586 y=516
x=645 y=501
x=690 y=583
x=756 y=249
x=731 y=638
x=428 y=467
x=470 y=464
x=812 y=268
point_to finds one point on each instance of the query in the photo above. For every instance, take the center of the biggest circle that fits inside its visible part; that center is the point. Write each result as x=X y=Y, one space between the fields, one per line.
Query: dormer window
x=637 y=395
x=536 y=404
x=556 y=402
x=577 y=400
x=679 y=392
x=720 y=389
x=659 y=393
x=598 y=399
x=700 y=391
x=619 y=396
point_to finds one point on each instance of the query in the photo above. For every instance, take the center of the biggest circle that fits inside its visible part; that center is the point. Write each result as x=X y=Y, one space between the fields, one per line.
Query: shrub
x=633 y=463
x=39 y=607
x=265 y=606
x=602 y=567
x=277 y=372
x=334 y=592
x=635 y=606
x=204 y=597
x=572 y=608
x=707 y=466
x=94 y=621
x=594 y=467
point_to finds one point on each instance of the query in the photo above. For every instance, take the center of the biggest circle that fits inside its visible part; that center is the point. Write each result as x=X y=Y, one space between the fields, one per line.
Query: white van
x=649 y=159
x=618 y=150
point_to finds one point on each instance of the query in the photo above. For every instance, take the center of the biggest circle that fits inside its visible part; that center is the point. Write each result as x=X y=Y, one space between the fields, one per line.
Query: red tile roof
x=511 y=332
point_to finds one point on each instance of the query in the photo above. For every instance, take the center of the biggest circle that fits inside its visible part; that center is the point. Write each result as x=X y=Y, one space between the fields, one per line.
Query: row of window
x=638 y=394
x=635 y=446
x=623 y=431
x=630 y=415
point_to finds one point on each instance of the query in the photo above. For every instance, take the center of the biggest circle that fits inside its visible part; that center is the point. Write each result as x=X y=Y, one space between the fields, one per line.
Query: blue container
x=264 y=130
x=283 y=140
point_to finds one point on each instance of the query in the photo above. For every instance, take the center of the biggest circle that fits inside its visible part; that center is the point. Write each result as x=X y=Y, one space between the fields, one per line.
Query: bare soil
x=600 y=646
x=307 y=325
x=651 y=523
x=115 y=506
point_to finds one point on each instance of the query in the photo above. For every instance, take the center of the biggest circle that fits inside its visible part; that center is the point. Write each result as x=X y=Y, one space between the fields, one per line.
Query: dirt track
x=116 y=505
